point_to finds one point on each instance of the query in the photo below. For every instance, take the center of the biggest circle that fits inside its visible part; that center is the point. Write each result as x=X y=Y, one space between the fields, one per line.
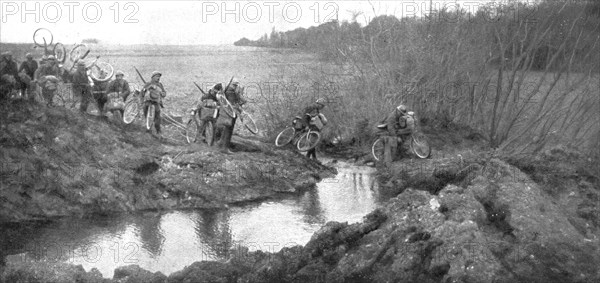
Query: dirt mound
x=499 y=227
x=58 y=162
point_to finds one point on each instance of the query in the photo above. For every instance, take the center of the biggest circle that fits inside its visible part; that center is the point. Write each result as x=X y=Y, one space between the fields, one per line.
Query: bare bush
x=524 y=82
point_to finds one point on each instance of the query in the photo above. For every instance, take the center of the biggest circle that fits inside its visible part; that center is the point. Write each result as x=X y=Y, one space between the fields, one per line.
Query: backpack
x=318 y=121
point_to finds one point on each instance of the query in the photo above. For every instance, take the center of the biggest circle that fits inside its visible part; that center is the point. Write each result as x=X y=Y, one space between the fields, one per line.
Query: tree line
x=526 y=80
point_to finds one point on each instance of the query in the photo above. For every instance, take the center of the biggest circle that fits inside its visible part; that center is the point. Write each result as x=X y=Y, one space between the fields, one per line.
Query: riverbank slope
x=57 y=162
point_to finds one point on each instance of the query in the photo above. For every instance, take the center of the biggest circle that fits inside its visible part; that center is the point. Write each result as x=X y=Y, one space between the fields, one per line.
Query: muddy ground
x=464 y=215
x=57 y=162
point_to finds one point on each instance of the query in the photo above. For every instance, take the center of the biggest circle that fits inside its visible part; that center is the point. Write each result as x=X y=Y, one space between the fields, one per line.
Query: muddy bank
x=57 y=162
x=461 y=217
x=496 y=226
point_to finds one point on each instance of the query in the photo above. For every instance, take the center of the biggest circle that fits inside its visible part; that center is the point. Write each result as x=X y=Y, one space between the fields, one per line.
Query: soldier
x=48 y=78
x=99 y=92
x=209 y=101
x=120 y=86
x=314 y=112
x=156 y=92
x=81 y=86
x=28 y=68
x=234 y=94
x=399 y=126
x=9 y=74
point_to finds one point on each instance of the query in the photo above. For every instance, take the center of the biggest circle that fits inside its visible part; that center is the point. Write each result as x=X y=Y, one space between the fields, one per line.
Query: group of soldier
x=44 y=77
x=207 y=107
x=47 y=74
x=10 y=80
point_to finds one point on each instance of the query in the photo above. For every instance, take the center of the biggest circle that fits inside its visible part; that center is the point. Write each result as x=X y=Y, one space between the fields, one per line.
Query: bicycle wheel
x=191 y=131
x=131 y=111
x=60 y=52
x=150 y=117
x=420 y=145
x=226 y=106
x=42 y=37
x=102 y=71
x=308 y=141
x=78 y=52
x=209 y=132
x=377 y=149
x=286 y=136
x=249 y=122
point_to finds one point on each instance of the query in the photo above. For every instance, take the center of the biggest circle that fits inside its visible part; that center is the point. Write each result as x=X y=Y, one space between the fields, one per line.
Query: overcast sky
x=187 y=22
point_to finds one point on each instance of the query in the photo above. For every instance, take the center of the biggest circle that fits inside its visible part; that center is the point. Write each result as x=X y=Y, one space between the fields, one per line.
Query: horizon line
x=129 y=44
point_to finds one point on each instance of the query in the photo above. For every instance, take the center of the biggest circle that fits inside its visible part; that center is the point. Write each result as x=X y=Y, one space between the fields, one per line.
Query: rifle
x=200 y=88
x=228 y=85
x=140 y=74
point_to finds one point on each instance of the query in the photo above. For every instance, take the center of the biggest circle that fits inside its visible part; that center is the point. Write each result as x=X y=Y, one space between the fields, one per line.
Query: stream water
x=169 y=241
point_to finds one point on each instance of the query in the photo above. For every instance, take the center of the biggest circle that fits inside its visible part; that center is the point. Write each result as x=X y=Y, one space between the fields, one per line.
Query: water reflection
x=151 y=235
x=169 y=241
x=311 y=209
x=212 y=227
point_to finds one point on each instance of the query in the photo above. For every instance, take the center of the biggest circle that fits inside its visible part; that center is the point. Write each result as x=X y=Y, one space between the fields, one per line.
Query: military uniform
x=233 y=94
x=48 y=77
x=99 y=94
x=205 y=110
x=155 y=92
x=310 y=111
x=28 y=67
x=81 y=87
x=9 y=74
x=399 y=126
x=121 y=87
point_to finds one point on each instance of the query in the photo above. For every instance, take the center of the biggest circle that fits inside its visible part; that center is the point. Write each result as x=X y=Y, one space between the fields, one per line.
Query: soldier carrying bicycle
x=399 y=126
x=207 y=108
x=156 y=92
x=48 y=77
x=120 y=87
x=233 y=93
x=313 y=116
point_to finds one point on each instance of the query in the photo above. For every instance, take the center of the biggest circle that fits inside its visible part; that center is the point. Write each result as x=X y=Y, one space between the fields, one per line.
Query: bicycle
x=305 y=137
x=418 y=142
x=150 y=114
x=237 y=111
x=247 y=120
x=43 y=37
x=98 y=71
x=132 y=107
x=191 y=130
x=78 y=52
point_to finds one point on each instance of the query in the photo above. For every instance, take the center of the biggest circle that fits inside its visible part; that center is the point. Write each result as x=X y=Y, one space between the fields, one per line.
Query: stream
x=169 y=241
